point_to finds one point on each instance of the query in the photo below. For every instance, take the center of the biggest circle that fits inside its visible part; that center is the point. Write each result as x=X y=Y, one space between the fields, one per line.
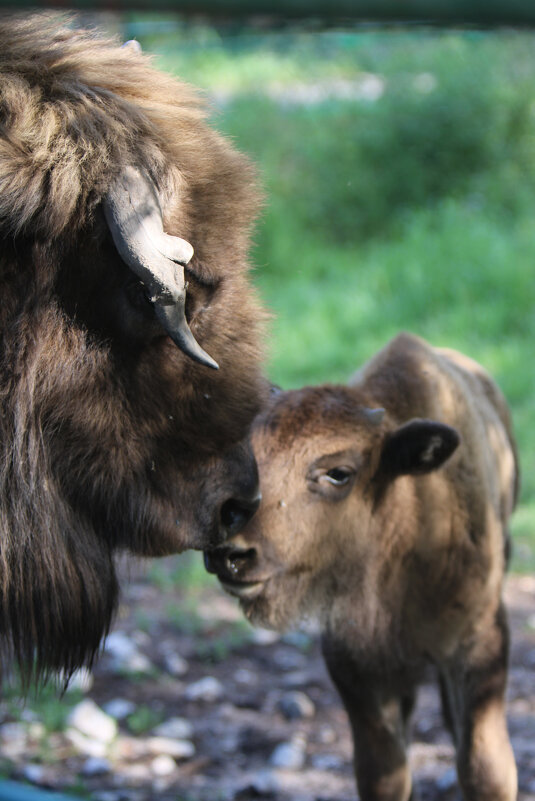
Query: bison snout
x=235 y=513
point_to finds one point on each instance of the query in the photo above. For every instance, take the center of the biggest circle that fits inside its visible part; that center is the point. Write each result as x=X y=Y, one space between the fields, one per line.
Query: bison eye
x=137 y=295
x=338 y=476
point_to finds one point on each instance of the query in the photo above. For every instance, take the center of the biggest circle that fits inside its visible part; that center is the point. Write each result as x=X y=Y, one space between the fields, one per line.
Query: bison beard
x=112 y=437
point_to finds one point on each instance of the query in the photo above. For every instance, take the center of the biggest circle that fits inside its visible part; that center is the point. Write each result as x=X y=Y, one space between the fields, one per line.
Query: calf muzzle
x=230 y=563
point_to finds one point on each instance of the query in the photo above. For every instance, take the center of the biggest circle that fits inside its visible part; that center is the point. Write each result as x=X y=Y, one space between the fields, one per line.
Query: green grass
x=412 y=212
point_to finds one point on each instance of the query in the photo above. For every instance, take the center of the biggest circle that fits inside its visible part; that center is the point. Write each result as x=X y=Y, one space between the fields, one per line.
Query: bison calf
x=385 y=512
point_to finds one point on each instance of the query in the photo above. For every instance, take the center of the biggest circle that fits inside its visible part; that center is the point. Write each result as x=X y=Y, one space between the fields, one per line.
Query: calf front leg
x=379 y=708
x=474 y=685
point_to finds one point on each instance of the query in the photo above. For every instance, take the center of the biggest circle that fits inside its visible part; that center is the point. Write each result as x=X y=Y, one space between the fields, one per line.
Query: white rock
x=125 y=655
x=175 y=665
x=95 y=766
x=207 y=689
x=119 y=645
x=447 y=781
x=81 y=680
x=163 y=765
x=119 y=708
x=85 y=745
x=93 y=722
x=176 y=728
x=289 y=755
x=34 y=773
x=264 y=637
x=178 y=749
x=296 y=705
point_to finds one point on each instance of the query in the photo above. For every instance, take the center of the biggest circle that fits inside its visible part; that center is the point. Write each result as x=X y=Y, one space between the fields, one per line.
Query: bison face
x=327 y=464
x=147 y=440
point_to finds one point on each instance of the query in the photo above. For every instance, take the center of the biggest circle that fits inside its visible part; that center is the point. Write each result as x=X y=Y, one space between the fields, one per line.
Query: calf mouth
x=244 y=590
x=235 y=568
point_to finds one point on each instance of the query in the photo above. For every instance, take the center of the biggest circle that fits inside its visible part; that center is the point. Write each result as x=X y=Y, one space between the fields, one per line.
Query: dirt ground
x=240 y=721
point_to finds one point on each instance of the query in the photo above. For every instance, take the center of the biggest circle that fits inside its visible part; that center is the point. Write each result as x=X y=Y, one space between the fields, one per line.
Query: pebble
x=447 y=781
x=81 y=680
x=91 y=721
x=264 y=637
x=207 y=689
x=86 y=745
x=124 y=654
x=175 y=665
x=289 y=755
x=326 y=735
x=163 y=765
x=14 y=740
x=327 y=762
x=178 y=749
x=176 y=728
x=296 y=705
x=96 y=766
x=119 y=708
x=34 y=773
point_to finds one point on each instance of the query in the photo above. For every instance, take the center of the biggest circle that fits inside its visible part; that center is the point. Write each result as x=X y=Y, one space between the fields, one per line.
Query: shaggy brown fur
x=393 y=531
x=111 y=438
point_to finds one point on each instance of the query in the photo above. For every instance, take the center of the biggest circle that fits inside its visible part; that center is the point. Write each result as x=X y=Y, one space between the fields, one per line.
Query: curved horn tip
x=174 y=323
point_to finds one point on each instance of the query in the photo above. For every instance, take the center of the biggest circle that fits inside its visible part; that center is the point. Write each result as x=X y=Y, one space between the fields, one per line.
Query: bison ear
x=418 y=447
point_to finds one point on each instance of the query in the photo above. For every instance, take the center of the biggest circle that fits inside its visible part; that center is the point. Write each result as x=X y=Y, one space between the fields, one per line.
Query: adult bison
x=116 y=430
x=391 y=525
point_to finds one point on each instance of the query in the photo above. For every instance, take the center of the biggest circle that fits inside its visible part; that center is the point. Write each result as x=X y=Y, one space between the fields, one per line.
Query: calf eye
x=338 y=476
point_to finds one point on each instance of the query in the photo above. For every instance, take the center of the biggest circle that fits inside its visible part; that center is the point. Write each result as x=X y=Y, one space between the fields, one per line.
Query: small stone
x=262 y=785
x=178 y=749
x=207 y=689
x=95 y=766
x=175 y=665
x=124 y=654
x=34 y=773
x=119 y=708
x=93 y=722
x=163 y=765
x=264 y=637
x=175 y=728
x=86 y=745
x=329 y=762
x=447 y=781
x=289 y=755
x=296 y=706
x=326 y=735
x=81 y=681
x=244 y=676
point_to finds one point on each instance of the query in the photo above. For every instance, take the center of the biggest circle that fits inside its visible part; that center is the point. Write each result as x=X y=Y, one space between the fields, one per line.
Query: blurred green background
x=399 y=170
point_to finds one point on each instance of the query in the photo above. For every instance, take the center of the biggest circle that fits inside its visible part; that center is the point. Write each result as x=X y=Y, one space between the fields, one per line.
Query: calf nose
x=229 y=561
x=235 y=513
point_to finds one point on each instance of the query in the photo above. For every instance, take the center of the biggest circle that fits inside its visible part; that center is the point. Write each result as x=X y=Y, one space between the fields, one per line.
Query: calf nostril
x=236 y=513
x=237 y=560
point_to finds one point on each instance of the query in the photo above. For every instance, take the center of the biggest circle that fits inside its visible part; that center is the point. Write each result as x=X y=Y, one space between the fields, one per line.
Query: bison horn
x=134 y=217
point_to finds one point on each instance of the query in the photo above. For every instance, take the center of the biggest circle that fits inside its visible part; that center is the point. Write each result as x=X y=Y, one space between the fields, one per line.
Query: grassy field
x=408 y=203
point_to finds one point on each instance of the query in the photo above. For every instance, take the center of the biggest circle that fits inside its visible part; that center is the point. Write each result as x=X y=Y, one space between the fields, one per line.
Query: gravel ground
x=188 y=703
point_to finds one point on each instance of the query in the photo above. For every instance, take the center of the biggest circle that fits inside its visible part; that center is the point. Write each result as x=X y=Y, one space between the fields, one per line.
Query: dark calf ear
x=417 y=447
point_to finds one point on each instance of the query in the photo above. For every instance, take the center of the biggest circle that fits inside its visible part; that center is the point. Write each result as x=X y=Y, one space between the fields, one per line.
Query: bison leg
x=379 y=708
x=474 y=689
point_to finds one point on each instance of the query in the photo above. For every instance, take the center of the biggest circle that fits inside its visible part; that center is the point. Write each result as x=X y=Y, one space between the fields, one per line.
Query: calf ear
x=417 y=447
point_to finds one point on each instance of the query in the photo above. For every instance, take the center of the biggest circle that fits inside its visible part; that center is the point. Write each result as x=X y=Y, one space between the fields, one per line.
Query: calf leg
x=379 y=708
x=474 y=686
